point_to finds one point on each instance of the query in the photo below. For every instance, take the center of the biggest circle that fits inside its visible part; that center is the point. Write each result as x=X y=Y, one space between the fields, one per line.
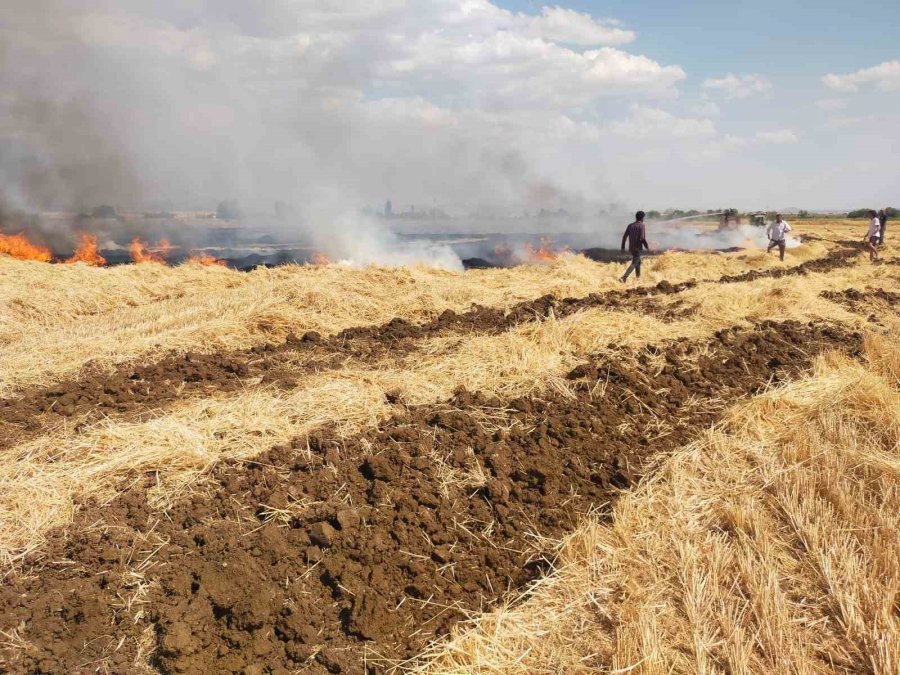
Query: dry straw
x=772 y=544
x=43 y=480
x=55 y=320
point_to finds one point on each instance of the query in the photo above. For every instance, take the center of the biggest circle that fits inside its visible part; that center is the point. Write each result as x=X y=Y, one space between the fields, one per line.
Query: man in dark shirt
x=882 y=218
x=636 y=236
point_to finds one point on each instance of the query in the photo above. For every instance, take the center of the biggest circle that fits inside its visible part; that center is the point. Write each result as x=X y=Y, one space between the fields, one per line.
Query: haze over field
x=459 y=104
x=320 y=350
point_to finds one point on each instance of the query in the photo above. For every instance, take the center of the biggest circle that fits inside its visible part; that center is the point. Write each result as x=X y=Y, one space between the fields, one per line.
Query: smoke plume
x=324 y=107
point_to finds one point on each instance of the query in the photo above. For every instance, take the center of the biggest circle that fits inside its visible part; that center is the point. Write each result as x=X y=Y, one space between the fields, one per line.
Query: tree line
x=864 y=213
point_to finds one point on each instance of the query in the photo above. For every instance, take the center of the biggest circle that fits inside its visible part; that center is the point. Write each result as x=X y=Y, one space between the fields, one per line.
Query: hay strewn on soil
x=43 y=480
x=56 y=319
x=772 y=544
x=785 y=298
x=768 y=545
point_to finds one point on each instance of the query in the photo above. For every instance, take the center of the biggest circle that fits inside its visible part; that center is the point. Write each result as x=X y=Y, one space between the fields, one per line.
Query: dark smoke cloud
x=324 y=105
x=64 y=160
x=191 y=102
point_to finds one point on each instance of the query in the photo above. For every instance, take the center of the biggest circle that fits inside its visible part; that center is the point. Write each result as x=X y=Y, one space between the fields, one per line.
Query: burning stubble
x=155 y=108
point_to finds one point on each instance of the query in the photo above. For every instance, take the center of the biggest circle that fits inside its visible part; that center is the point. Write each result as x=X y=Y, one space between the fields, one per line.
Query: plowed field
x=299 y=493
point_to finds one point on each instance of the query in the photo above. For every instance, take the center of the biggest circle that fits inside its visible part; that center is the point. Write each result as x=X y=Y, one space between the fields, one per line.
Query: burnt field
x=313 y=492
x=112 y=243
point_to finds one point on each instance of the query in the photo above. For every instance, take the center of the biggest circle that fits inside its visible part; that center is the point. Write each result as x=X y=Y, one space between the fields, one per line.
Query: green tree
x=859 y=213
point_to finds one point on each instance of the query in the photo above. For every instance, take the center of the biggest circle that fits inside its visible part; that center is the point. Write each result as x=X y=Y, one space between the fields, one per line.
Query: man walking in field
x=636 y=236
x=873 y=235
x=777 y=232
x=882 y=219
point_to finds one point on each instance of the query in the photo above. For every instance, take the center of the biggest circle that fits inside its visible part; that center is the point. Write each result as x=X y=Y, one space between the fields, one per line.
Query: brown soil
x=136 y=391
x=331 y=554
x=872 y=302
x=139 y=391
x=835 y=258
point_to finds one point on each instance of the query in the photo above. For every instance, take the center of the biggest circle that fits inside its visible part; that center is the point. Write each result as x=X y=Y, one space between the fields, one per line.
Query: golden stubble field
x=699 y=476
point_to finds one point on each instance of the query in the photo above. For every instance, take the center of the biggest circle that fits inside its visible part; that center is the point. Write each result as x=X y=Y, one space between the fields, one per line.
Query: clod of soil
x=873 y=303
x=134 y=391
x=834 y=259
x=338 y=555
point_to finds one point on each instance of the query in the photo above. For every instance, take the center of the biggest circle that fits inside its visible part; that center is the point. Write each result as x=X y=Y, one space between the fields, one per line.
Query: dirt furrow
x=871 y=302
x=840 y=257
x=343 y=555
x=137 y=391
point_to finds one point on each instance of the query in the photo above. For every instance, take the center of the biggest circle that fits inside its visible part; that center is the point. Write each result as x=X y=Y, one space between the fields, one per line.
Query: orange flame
x=142 y=253
x=543 y=253
x=320 y=259
x=206 y=260
x=18 y=246
x=164 y=247
x=87 y=251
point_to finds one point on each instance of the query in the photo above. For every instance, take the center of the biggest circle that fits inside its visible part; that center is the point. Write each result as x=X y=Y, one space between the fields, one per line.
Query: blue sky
x=793 y=45
x=709 y=37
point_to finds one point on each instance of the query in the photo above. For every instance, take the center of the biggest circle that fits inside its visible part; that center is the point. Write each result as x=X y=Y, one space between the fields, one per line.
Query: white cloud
x=881 y=124
x=721 y=146
x=654 y=123
x=844 y=121
x=559 y=24
x=885 y=77
x=738 y=86
x=832 y=104
x=554 y=24
x=776 y=137
x=708 y=109
x=511 y=70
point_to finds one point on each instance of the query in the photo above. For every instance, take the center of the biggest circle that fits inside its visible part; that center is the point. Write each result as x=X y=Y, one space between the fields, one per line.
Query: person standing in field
x=873 y=235
x=636 y=236
x=882 y=219
x=777 y=232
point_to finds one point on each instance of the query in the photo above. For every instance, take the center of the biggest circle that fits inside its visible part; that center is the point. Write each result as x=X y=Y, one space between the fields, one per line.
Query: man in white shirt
x=873 y=235
x=777 y=231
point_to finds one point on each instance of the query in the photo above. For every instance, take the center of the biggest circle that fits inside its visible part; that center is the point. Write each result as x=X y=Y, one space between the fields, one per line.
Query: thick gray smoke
x=150 y=105
x=320 y=106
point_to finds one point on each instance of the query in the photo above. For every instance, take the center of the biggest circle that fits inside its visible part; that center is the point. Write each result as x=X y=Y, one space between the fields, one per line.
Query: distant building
x=388 y=209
